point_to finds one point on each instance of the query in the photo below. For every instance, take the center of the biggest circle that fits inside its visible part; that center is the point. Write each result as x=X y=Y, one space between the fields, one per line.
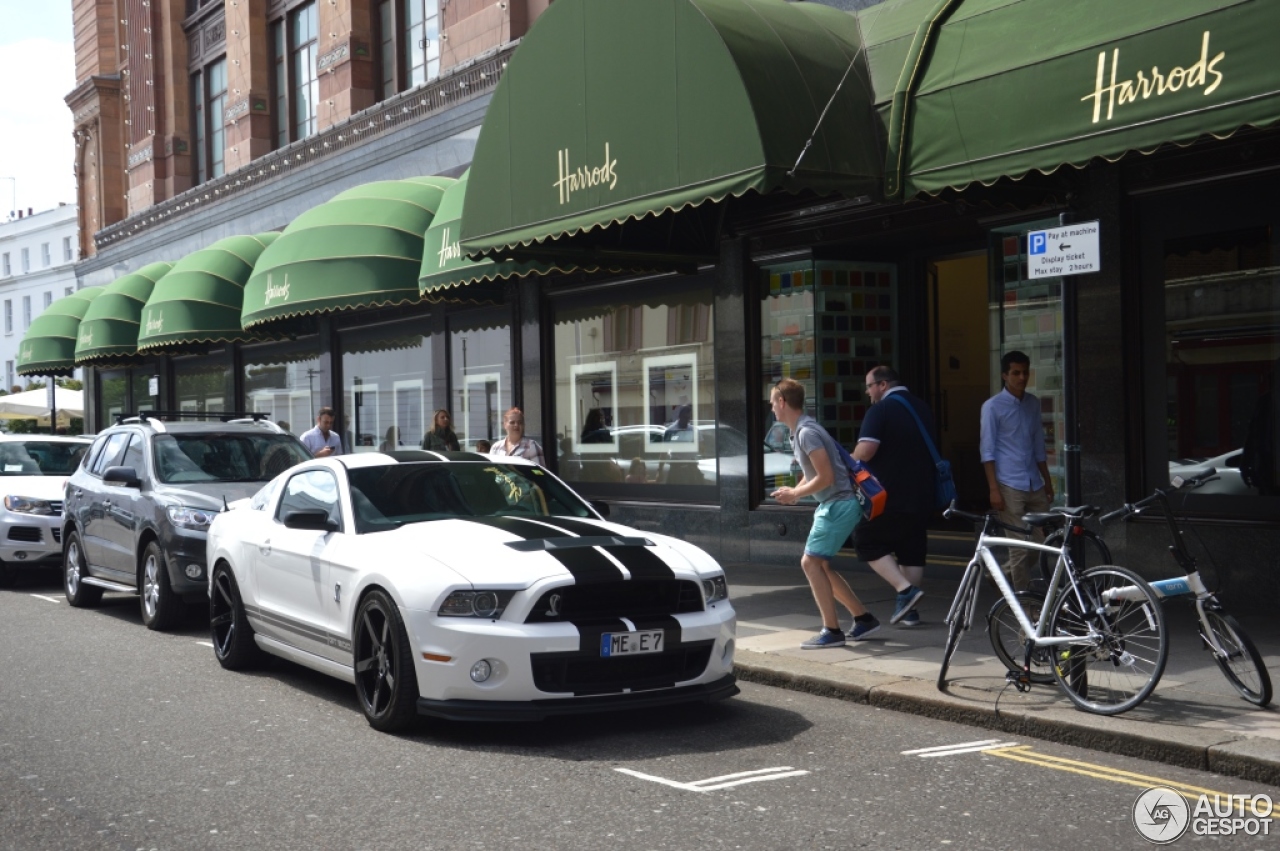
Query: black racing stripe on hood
x=641 y=562
x=587 y=566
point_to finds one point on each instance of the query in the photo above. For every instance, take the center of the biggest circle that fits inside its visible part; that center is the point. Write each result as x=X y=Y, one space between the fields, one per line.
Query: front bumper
x=185 y=556
x=541 y=669
x=537 y=710
x=30 y=539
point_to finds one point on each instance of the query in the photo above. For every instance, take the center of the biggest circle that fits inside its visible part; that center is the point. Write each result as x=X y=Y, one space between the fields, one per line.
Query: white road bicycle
x=1106 y=651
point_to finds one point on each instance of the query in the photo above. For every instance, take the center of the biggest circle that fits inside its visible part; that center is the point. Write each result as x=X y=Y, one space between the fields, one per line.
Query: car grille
x=635 y=599
x=57 y=535
x=26 y=534
x=57 y=507
x=582 y=675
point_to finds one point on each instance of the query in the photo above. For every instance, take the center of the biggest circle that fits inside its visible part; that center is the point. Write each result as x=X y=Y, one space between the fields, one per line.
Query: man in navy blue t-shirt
x=896 y=543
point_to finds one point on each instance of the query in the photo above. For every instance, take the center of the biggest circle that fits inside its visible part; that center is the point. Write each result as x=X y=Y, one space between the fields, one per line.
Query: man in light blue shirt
x=1013 y=456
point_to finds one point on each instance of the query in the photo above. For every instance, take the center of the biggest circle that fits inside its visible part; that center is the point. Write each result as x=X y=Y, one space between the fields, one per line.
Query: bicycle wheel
x=958 y=619
x=1243 y=666
x=1123 y=644
x=1008 y=638
x=1096 y=552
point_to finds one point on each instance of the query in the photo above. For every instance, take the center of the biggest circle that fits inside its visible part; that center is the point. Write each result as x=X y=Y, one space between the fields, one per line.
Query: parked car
x=138 y=509
x=34 y=468
x=465 y=588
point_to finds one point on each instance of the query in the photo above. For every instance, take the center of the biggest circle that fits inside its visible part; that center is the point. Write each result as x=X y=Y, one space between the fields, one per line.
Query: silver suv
x=138 y=509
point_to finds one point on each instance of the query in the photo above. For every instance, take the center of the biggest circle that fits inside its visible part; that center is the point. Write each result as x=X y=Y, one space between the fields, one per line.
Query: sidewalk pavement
x=1194 y=718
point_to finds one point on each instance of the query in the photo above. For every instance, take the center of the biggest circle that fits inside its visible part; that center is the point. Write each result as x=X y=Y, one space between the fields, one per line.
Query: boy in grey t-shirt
x=827 y=480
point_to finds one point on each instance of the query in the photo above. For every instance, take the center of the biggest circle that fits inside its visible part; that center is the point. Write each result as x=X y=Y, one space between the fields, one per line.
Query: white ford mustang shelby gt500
x=461 y=587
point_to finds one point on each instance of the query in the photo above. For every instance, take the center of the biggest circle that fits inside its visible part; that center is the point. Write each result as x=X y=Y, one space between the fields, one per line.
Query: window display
x=825 y=324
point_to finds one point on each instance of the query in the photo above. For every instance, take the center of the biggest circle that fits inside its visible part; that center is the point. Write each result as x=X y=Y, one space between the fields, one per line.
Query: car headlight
x=27 y=505
x=715 y=589
x=475 y=604
x=191 y=518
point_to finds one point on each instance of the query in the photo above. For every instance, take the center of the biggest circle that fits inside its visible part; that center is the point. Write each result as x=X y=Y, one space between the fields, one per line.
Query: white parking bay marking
x=963 y=747
x=43 y=597
x=724 y=781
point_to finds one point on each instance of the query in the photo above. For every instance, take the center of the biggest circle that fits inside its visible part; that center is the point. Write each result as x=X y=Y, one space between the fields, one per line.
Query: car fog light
x=194 y=571
x=481 y=671
x=20 y=555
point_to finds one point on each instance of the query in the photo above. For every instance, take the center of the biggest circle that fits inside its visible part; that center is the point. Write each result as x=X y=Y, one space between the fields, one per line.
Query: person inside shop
x=516 y=444
x=322 y=441
x=391 y=441
x=594 y=430
x=441 y=437
x=483 y=446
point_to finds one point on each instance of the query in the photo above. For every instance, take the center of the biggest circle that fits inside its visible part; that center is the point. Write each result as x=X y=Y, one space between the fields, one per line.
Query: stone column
x=248 y=111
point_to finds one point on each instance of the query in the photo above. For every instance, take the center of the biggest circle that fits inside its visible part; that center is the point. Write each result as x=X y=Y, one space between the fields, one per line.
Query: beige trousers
x=1022 y=563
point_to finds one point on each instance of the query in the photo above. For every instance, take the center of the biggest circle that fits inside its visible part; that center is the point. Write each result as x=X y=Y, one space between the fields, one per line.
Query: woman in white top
x=516 y=444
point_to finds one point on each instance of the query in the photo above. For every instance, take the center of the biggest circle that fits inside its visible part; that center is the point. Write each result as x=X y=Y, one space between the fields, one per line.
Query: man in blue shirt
x=1013 y=456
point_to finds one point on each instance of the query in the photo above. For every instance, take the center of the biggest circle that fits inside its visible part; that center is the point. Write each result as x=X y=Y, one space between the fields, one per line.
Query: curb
x=1218 y=751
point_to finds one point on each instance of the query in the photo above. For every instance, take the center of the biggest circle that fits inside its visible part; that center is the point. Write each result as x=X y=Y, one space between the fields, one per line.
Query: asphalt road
x=115 y=737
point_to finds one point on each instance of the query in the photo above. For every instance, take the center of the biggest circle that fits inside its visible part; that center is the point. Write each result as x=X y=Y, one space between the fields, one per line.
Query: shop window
x=295 y=80
x=480 y=386
x=825 y=324
x=203 y=384
x=635 y=395
x=409 y=40
x=387 y=386
x=1222 y=345
x=289 y=382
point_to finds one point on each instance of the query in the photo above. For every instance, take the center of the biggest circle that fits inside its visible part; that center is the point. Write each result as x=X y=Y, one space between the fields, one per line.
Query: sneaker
x=861 y=629
x=906 y=602
x=826 y=638
x=911 y=618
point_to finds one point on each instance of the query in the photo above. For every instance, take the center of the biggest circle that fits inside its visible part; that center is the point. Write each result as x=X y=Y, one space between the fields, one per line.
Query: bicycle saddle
x=1054 y=516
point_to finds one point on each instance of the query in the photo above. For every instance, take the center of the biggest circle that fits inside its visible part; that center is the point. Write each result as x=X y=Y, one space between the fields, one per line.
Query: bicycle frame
x=983 y=555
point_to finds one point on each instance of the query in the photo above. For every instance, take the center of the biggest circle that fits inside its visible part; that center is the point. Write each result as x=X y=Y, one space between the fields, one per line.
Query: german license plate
x=631 y=643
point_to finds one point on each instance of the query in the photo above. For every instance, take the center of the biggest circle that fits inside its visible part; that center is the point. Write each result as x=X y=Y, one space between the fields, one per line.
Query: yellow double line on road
x=1024 y=753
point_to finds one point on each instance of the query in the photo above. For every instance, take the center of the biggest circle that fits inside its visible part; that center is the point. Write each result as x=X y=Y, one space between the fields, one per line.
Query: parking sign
x=1068 y=250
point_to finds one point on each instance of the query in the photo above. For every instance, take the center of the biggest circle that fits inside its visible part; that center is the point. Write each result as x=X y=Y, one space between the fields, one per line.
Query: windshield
x=191 y=458
x=389 y=496
x=40 y=457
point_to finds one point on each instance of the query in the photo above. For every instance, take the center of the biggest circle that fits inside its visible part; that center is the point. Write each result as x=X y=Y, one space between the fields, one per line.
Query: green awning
x=631 y=108
x=1006 y=87
x=445 y=266
x=109 y=330
x=363 y=248
x=49 y=347
x=200 y=300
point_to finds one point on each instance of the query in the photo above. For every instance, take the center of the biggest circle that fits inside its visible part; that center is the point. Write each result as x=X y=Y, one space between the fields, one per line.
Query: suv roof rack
x=155 y=419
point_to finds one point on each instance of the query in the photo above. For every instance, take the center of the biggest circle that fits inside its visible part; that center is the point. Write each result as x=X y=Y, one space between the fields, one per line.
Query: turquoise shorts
x=833 y=522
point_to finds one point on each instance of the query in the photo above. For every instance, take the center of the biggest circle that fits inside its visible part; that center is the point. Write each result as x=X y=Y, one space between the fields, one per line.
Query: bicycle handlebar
x=1206 y=475
x=989 y=518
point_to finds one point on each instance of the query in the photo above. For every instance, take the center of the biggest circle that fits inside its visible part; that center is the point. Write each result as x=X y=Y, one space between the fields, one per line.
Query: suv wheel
x=73 y=572
x=161 y=608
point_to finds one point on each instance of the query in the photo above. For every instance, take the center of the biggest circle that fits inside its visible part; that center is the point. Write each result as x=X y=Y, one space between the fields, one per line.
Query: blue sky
x=37 y=67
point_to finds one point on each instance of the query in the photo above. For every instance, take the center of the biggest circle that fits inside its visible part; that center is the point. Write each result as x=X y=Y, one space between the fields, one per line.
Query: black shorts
x=904 y=535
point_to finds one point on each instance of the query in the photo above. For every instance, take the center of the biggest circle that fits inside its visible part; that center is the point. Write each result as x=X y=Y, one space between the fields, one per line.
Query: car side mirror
x=314 y=519
x=123 y=476
x=601 y=507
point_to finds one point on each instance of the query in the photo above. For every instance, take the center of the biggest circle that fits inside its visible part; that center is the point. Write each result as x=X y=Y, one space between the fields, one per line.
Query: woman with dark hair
x=441 y=437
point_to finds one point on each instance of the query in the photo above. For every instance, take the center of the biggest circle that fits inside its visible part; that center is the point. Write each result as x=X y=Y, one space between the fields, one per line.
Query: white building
x=38 y=254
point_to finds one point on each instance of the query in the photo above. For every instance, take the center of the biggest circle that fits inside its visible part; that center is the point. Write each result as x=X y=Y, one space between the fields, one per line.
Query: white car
x=33 y=471
x=464 y=587
x=1228 y=481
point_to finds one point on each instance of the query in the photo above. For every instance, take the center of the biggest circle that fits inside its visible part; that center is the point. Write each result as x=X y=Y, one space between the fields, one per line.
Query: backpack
x=867 y=490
